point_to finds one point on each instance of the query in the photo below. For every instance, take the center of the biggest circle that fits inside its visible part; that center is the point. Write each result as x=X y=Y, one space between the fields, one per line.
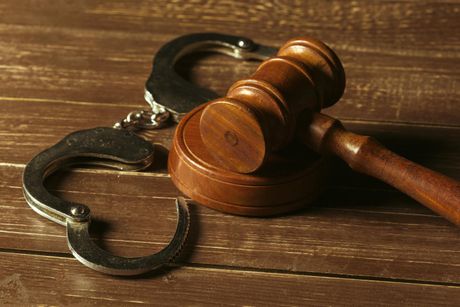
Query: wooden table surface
x=70 y=65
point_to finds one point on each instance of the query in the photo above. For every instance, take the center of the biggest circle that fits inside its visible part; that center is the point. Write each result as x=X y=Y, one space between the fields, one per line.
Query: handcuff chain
x=155 y=118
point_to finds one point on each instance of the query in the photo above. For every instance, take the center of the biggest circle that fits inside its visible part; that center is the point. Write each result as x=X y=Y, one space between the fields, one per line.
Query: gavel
x=233 y=145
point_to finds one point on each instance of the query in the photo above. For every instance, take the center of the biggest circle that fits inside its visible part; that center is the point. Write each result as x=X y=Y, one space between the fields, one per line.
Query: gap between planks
x=344 y=119
x=92 y=171
x=241 y=269
x=166 y=175
x=72 y=102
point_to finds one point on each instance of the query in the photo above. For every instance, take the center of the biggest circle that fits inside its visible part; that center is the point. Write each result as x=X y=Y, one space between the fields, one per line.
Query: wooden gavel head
x=218 y=146
x=237 y=154
x=259 y=115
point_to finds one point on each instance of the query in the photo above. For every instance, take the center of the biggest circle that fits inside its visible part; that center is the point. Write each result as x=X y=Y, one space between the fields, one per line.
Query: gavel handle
x=364 y=154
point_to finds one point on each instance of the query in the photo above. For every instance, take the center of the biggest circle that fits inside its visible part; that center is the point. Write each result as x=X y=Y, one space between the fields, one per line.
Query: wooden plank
x=373 y=233
x=401 y=57
x=38 y=125
x=39 y=280
x=27 y=127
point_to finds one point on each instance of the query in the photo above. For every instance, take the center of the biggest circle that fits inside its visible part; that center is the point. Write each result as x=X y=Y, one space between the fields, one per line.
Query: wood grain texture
x=331 y=237
x=291 y=179
x=366 y=155
x=262 y=115
x=22 y=282
x=259 y=114
x=68 y=65
x=401 y=57
x=31 y=126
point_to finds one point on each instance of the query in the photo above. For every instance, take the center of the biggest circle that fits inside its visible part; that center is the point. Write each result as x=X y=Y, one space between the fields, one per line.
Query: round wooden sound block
x=289 y=180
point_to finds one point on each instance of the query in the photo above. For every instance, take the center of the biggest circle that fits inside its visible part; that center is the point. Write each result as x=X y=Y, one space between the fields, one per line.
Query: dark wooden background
x=69 y=65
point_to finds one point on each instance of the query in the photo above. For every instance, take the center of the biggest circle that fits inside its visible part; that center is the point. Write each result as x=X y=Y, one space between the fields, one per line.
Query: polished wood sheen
x=262 y=114
x=73 y=65
x=259 y=114
x=290 y=179
x=364 y=154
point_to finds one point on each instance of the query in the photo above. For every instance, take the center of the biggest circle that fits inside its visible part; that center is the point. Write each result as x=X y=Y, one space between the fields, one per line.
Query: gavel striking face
x=263 y=116
x=259 y=115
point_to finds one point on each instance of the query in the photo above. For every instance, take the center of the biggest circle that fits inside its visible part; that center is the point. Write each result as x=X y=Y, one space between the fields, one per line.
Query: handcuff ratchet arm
x=110 y=147
x=166 y=90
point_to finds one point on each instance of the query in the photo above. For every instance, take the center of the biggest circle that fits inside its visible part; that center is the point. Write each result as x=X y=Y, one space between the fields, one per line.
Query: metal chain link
x=144 y=119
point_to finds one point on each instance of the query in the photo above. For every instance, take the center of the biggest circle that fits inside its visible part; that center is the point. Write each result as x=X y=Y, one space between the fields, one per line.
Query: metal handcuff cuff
x=170 y=97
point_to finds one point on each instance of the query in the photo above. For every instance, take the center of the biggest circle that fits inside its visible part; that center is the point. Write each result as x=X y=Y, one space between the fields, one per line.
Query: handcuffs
x=170 y=97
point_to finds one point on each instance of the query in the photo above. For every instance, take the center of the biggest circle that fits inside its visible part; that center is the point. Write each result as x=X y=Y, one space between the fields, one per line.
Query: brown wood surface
x=74 y=65
x=260 y=114
x=366 y=155
x=258 y=121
